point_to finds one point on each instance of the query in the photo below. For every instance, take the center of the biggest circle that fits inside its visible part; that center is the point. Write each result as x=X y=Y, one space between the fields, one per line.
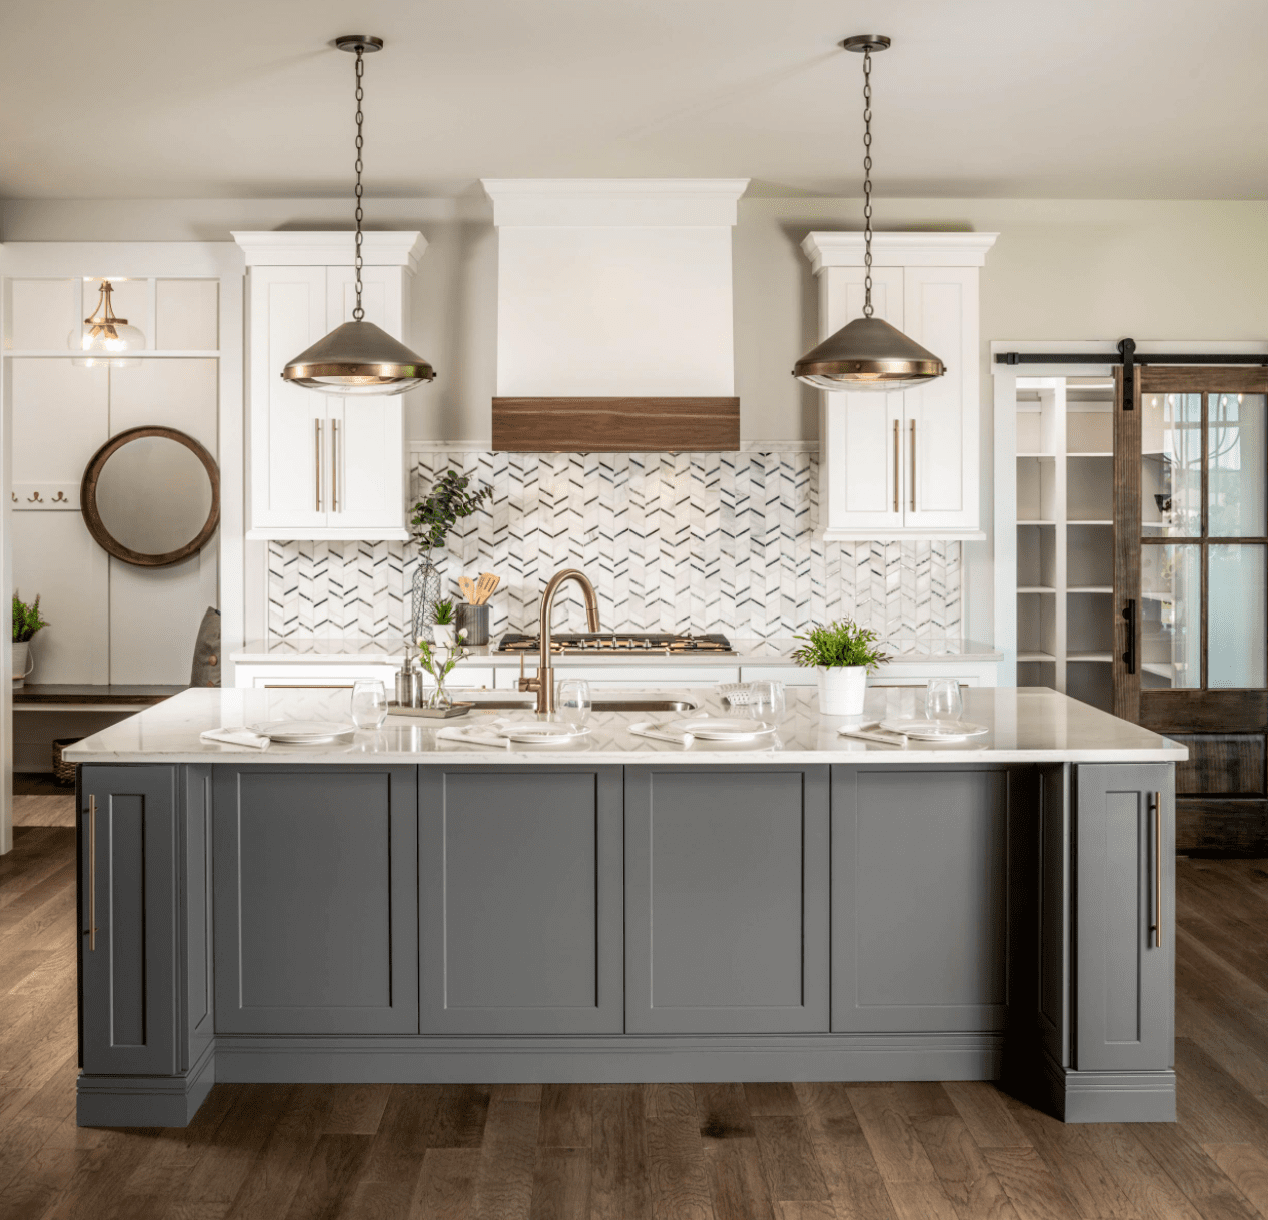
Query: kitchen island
x=406 y=908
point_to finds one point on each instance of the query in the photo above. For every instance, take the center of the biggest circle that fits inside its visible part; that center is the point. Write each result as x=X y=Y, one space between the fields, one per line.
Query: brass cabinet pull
x=1157 y=870
x=317 y=464
x=92 y=874
x=334 y=465
x=897 y=447
x=913 y=465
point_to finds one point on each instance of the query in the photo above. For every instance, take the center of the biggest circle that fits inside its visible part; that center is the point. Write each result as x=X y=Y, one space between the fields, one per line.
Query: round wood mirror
x=151 y=496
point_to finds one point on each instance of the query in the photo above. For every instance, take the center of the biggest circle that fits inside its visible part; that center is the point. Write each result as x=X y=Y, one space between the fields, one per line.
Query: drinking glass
x=766 y=700
x=369 y=703
x=572 y=700
x=943 y=700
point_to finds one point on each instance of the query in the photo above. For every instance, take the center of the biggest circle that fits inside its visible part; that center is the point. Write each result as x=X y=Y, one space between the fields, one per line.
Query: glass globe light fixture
x=104 y=338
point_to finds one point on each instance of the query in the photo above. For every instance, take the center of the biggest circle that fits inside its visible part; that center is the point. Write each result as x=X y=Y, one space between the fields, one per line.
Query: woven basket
x=63 y=772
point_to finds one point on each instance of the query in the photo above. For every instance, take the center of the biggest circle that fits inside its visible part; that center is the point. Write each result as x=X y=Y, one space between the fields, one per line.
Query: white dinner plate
x=541 y=730
x=920 y=729
x=305 y=732
x=722 y=728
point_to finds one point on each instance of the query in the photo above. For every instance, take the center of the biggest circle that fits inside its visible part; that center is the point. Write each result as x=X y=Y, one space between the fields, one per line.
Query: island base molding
x=1106 y=1097
x=144 y=1101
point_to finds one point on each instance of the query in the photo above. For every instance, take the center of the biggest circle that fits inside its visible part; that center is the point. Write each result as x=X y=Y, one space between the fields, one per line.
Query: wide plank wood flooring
x=778 y=1151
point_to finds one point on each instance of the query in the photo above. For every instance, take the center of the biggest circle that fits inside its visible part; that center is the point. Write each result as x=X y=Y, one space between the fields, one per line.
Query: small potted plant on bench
x=841 y=654
x=27 y=620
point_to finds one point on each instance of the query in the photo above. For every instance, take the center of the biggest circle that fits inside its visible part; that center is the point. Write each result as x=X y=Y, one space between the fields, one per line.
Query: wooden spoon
x=485 y=586
x=467 y=585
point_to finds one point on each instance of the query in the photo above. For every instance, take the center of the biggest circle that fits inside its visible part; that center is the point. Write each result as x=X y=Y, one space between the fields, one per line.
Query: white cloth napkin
x=236 y=737
x=475 y=734
x=661 y=733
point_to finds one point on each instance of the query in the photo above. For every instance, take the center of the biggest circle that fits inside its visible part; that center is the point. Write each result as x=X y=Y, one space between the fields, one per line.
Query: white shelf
x=1036 y=589
x=1089 y=588
x=1034 y=521
x=1102 y=657
x=1159 y=671
x=1090 y=521
x=1076 y=453
x=1036 y=656
x=1050 y=456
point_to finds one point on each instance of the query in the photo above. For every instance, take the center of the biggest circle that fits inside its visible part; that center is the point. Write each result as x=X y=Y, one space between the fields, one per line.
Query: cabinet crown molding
x=614 y=202
x=379 y=248
x=898 y=249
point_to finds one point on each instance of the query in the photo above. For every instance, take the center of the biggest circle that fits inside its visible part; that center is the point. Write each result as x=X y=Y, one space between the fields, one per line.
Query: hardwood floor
x=905 y=1151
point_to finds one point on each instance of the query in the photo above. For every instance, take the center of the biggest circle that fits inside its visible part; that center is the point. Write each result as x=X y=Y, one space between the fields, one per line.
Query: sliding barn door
x=1191 y=589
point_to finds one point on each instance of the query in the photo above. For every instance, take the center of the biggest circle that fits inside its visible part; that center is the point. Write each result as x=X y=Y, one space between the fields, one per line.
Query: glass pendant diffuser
x=358 y=357
x=868 y=353
x=104 y=338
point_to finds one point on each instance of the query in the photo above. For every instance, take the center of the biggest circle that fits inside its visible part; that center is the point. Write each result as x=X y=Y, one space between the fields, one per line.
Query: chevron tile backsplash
x=711 y=541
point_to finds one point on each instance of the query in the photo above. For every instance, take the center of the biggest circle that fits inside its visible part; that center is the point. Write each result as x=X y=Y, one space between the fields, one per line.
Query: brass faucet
x=544 y=680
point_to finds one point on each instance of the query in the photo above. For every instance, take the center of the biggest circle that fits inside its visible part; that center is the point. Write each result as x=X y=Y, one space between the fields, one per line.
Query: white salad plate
x=304 y=732
x=920 y=729
x=722 y=728
x=532 y=730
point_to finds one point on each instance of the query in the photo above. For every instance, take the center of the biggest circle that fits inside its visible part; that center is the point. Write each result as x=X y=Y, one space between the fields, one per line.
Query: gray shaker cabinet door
x=521 y=900
x=919 y=899
x=316 y=890
x=128 y=890
x=726 y=900
x=1124 y=980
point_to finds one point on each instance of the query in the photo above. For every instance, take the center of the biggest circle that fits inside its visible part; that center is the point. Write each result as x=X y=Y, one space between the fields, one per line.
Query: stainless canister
x=409 y=685
x=475 y=620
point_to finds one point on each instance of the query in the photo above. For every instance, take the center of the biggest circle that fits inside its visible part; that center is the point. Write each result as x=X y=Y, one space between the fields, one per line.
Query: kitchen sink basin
x=630 y=703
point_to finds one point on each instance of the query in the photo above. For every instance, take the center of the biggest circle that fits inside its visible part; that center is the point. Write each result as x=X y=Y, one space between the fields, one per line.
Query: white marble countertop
x=357 y=650
x=1026 y=725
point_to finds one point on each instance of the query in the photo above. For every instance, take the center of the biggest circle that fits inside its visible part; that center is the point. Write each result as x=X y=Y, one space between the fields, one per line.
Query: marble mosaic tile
x=711 y=541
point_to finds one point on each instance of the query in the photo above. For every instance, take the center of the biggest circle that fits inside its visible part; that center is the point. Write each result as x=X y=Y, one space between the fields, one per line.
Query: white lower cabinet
x=323 y=466
x=903 y=464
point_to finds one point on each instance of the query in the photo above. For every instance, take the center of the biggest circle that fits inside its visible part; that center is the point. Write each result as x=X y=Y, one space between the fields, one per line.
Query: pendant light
x=358 y=357
x=868 y=353
x=104 y=337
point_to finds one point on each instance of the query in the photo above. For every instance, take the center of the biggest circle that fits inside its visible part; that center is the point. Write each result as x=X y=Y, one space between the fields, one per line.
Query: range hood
x=615 y=327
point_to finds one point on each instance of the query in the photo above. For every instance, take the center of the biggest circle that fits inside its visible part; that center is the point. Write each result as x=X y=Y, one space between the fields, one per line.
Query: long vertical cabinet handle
x=317 y=465
x=1157 y=928
x=897 y=464
x=334 y=465
x=913 y=465
x=92 y=874
x=1129 y=617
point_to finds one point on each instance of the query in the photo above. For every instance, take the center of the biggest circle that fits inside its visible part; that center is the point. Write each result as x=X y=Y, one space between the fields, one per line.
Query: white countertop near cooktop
x=1026 y=725
x=358 y=650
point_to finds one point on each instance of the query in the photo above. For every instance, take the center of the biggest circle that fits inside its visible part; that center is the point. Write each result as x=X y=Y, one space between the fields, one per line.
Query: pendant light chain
x=358 y=313
x=867 y=184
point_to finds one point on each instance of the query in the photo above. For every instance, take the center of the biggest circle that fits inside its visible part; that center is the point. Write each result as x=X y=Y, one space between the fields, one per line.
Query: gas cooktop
x=621 y=643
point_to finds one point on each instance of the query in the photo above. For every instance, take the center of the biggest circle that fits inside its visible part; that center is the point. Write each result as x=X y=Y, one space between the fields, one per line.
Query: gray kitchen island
x=407 y=908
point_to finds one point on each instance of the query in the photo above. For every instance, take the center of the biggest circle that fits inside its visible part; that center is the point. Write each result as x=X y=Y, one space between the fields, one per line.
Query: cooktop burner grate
x=620 y=643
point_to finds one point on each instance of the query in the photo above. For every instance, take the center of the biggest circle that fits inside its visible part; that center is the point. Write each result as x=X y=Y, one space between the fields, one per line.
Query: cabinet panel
x=1125 y=871
x=726 y=900
x=316 y=900
x=940 y=312
x=521 y=901
x=198 y=1025
x=127 y=824
x=919 y=899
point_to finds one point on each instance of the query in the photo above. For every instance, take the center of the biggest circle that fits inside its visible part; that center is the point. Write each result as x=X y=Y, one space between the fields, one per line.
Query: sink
x=630 y=703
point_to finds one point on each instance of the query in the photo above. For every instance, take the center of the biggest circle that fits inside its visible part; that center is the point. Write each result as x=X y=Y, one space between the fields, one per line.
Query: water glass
x=369 y=703
x=572 y=700
x=943 y=700
x=766 y=700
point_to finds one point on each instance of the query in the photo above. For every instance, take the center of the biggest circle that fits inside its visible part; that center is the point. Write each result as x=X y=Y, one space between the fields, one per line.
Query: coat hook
x=60 y=498
x=35 y=498
x=14 y=494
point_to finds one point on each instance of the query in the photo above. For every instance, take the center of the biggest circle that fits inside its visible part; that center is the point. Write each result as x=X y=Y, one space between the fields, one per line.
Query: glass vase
x=440 y=696
x=425 y=595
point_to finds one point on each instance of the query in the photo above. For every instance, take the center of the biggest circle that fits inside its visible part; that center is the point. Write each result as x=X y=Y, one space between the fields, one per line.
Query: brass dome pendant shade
x=358 y=357
x=868 y=353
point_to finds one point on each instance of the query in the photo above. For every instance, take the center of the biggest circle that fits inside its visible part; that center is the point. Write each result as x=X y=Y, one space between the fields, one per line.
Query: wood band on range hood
x=615 y=425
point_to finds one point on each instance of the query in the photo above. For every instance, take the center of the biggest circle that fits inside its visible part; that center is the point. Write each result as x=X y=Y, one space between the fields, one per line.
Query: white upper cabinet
x=905 y=464
x=323 y=465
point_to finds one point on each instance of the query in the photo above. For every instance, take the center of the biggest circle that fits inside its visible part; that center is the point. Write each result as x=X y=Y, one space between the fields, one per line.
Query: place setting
x=942 y=723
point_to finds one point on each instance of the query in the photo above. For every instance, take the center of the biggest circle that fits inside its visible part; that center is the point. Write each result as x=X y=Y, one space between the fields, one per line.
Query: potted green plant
x=448 y=502
x=27 y=620
x=443 y=625
x=841 y=654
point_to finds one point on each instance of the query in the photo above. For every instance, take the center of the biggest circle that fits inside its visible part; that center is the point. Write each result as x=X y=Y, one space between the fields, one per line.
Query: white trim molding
x=600 y=202
x=395 y=248
x=898 y=249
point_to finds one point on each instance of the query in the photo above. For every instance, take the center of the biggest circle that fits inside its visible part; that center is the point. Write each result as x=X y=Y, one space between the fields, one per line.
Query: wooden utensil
x=467 y=585
x=485 y=586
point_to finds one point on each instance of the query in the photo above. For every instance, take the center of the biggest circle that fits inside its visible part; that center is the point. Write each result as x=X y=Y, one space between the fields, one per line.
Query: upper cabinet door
x=941 y=417
x=862 y=471
x=366 y=453
x=289 y=432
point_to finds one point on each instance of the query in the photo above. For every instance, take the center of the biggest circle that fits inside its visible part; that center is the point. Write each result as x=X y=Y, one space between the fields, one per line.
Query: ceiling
x=1162 y=99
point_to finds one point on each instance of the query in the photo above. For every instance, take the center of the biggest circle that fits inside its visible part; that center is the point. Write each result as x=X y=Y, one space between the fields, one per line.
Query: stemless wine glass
x=766 y=700
x=572 y=700
x=943 y=700
x=369 y=703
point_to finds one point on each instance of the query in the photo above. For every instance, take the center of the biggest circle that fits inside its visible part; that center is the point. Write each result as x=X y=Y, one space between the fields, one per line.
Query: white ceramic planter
x=842 y=689
x=444 y=634
x=23 y=664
